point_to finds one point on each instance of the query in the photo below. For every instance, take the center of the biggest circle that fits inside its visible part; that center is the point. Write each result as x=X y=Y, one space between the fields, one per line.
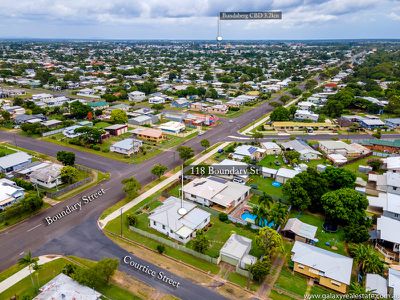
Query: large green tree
x=345 y=206
x=185 y=152
x=367 y=258
x=280 y=114
x=338 y=178
x=118 y=116
x=67 y=158
x=270 y=241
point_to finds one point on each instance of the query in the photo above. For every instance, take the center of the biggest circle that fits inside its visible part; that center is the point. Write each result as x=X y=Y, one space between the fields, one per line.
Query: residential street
x=78 y=234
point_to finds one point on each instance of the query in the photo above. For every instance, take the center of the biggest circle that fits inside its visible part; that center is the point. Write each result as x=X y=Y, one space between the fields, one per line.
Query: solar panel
x=252 y=150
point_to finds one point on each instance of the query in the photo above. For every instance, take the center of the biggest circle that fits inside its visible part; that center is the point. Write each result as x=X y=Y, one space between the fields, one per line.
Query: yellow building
x=303 y=126
x=329 y=269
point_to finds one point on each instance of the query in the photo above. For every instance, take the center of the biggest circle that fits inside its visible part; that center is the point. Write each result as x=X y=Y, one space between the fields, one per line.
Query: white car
x=200 y=133
x=230 y=121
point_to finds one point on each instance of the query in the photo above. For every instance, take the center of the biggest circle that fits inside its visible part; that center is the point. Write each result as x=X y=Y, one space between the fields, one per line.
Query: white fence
x=172 y=244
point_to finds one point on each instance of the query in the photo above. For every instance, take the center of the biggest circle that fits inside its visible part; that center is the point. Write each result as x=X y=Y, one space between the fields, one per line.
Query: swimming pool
x=249 y=217
x=276 y=184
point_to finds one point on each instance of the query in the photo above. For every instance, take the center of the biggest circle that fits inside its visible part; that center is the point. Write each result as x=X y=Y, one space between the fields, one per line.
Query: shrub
x=132 y=220
x=223 y=217
x=160 y=249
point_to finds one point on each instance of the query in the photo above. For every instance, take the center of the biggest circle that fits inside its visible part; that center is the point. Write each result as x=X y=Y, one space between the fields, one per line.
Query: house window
x=154 y=223
x=171 y=231
x=396 y=215
x=336 y=283
x=300 y=267
x=163 y=227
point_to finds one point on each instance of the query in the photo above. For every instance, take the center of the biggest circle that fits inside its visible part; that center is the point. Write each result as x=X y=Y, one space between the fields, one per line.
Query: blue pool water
x=249 y=217
x=276 y=184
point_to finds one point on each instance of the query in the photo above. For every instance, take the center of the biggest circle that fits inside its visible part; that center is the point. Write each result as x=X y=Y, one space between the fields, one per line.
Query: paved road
x=78 y=233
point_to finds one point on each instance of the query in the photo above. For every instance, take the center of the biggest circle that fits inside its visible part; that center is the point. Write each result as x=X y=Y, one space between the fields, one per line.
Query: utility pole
x=121 y=218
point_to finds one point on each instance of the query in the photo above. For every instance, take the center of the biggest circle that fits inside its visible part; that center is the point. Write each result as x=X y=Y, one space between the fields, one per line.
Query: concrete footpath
x=115 y=214
x=21 y=274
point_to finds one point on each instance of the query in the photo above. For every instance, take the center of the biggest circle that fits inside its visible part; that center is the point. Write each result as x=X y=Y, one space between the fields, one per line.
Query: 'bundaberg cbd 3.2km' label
x=74 y=207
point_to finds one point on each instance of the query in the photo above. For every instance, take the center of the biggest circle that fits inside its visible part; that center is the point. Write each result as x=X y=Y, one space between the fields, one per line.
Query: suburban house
x=64 y=287
x=146 y=119
x=376 y=284
x=117 y=129
x=394 y=283
x=156 y=100
x=52 y=123
x=387 y=238
x=10 y=193
x=329 y=269
x=180 y=103
x=306 y=151
x=14 y=110
x=386 y=146
x=136 y=96
x=393 y=123
x=218 y=109
x=21 y=119
x=388 y=182
x=283 y=175
x=303 y=126
x=99 y=105
x=214 y=191
x=271 y=148
x=300 y=231
x=172 y=127
x=69 y=132
x=127 y=146
x=305 y=115
x=234 y=170
x=392 y=164
x=339 y=147
x=14 y=161
x=236 y=250
x=255 y=153
x=48 y=177
x=182 y=227
x=371 y=124
x=149 y=134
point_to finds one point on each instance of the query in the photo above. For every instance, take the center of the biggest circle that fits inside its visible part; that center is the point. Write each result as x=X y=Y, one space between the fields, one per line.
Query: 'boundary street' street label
x=74 y=207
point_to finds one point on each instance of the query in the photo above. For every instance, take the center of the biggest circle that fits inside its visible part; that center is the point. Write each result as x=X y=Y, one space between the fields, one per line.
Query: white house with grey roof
x=168 y=220
x=253 y=152
x=306 y=151
x=49 y=176
x=14 y=161
x=10 y=193
x=127 y=146
x=216 y=191
x=330 y=269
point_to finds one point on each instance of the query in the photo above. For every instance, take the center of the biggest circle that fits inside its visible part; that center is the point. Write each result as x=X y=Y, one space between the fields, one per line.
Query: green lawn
x=5 y=151
x=360 y=162
x=50 y=270
x=150 y=150
x=274 y=295
x=319 y=290
x=265 y=185
x=14 y=220
x=335 y=239
x=295 y=283
x=45 y=274
x=243 y=281
x=220 y=232
x=269 y=162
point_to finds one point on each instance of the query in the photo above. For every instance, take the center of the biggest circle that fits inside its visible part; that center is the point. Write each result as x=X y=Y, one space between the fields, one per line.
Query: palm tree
x=367 y=258
x=278 y=213
x=260 y=212
x=30 y=261
x=265 y=199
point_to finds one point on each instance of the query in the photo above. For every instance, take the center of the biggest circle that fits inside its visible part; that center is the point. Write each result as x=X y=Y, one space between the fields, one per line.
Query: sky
x=197 y=19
